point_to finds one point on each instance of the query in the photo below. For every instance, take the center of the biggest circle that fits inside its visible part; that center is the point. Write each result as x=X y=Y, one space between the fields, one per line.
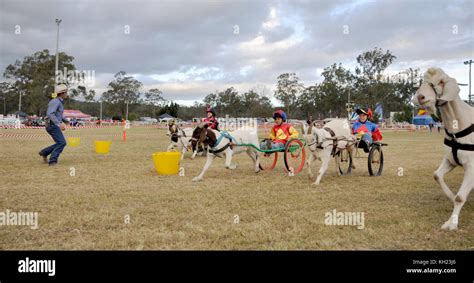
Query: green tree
x=373 y=63
x=229 y=102
x=255 y=105
x=225 y=102
x=371 y=86
x=34 y=78
x=211 y=100
x=335 y=88
x=288 y=90
x=90 y=97
x=194 y=111
x=309 y=102
x=405 y=115
x=5 y=96
x=153 y=97
x=172 y=109
x=154 y=100
x=122 y=91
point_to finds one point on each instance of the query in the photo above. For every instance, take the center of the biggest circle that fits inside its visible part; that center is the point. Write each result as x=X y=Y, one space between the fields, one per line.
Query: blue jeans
x=55 y=149
x=275 y=145
x=366 y=141
x=367 y=138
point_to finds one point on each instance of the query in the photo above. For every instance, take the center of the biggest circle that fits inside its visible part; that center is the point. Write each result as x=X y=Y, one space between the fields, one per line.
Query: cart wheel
x=375 y=160
x=268 y=160
x=344 y=161
x=295 y=156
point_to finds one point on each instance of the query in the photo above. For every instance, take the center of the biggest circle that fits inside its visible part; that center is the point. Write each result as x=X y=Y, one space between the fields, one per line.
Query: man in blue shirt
x=55 y=126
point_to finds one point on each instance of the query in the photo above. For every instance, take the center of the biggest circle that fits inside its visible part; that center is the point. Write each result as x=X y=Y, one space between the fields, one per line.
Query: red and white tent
x=68 y=113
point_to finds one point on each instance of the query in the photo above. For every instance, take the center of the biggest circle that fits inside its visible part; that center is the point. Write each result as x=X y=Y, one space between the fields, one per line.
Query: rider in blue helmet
x=280 y=133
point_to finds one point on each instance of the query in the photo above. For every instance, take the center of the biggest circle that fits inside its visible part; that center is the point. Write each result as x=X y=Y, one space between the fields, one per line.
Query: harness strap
x=439 y=103
x=220 y=149
x=330 y=131
x=224 y=134
x=460 y=134
x=334 y=141
x=455 y=146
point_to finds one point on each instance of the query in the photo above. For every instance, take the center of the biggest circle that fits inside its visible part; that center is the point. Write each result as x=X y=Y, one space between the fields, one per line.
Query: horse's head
x=172 y=128
x=317 y=137
x=309 y=133
x=436 y=89
x=202 y=135
x=173 y=131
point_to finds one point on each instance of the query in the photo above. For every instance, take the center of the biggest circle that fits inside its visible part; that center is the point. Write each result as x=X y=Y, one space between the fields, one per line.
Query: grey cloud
x=182 y=36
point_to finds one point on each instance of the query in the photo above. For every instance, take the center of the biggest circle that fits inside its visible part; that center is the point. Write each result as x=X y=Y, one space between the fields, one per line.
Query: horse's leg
x=312 y=157
x=352 y=150
x=461 y=197
x=204 y=150
x=325 y=157
x=258 y=165
x=228 y=159
x=254 y=155
x=195 y=152
x=170 y=147
x=183 y=151
x=337 y=159
x=210 y=158
x=444 y=167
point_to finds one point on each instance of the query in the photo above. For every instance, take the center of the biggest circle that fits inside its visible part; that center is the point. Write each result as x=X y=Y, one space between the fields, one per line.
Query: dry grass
x=276 y=211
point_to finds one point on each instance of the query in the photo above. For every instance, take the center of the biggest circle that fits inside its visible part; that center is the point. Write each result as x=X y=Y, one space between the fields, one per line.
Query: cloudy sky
x=191 y=48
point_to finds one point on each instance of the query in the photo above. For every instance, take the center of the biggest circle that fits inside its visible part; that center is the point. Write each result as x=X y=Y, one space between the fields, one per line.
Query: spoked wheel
x=268 y=160
x=344 y=161
x=295 y=156
x=375 y=161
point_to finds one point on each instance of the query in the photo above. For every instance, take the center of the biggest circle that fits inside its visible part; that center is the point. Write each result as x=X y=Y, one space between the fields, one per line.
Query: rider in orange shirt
x=280 y=133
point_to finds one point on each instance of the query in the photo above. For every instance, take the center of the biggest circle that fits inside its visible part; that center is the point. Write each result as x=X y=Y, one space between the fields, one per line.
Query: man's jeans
x=56 y=149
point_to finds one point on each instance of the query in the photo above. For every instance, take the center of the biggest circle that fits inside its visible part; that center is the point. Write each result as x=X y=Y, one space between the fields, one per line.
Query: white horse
x=439 y=91
x=333 y=137
x=180 y=139
x=224 y=144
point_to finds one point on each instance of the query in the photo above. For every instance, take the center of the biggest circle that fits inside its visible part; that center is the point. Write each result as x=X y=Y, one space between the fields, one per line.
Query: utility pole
x=126 y=115
x=470 y=95
x=349 y=106
x=19 y=101
x=58 y=21
x=100 y=119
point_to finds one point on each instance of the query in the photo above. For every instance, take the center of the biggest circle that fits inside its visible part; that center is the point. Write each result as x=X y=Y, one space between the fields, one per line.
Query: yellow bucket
x=102 y=147
x=73 y=141
x=166 y=163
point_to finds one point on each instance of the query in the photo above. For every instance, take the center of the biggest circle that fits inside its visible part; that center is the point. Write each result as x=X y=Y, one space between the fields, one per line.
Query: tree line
x=368 y=85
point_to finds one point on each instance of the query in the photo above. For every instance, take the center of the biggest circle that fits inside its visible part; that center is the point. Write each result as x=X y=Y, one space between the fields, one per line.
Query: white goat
x=223 y=144
x=335 y=135
x=180 y=139
x=439 y=91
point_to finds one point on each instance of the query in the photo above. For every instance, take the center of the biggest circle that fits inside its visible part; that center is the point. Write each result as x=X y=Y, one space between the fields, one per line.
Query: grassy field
x=117 y=201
